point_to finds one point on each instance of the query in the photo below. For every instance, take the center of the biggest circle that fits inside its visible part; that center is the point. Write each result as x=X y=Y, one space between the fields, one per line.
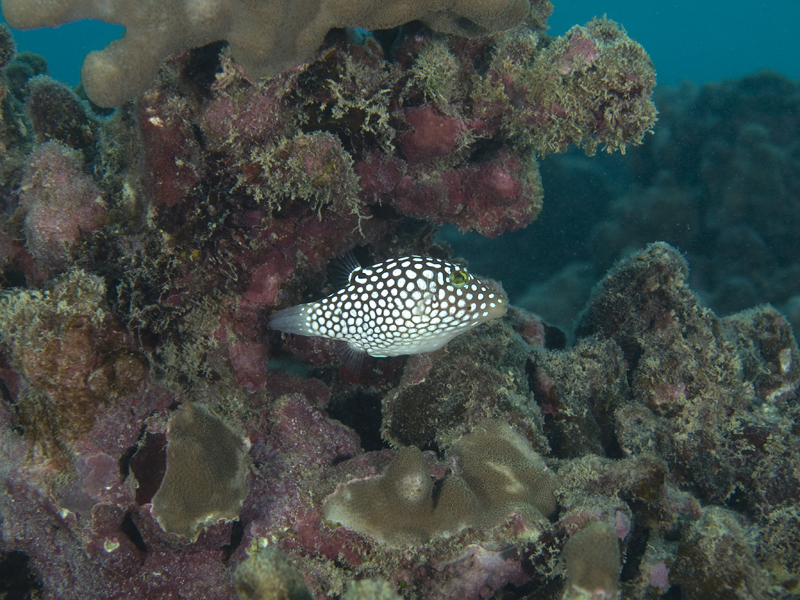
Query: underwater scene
x=398 y=300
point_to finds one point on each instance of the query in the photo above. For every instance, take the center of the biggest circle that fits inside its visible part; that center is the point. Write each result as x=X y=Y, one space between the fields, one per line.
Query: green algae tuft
x=268 y=575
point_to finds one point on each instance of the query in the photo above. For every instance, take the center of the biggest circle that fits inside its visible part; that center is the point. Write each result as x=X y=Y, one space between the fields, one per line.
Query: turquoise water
x=700 y=41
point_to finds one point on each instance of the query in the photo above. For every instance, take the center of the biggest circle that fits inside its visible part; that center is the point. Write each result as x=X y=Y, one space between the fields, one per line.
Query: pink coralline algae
x=432 y=134
x=307 y=134
x=659 y=576
x=61 y=203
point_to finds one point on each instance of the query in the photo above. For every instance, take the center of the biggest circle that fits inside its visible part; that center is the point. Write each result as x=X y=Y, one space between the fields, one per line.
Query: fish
x=407 y=305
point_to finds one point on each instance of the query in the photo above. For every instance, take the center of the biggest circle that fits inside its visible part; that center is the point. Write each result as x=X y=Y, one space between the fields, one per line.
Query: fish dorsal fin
x=342 y=268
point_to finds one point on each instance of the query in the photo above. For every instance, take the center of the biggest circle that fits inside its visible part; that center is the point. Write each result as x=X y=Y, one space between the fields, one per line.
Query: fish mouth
x=500 y=310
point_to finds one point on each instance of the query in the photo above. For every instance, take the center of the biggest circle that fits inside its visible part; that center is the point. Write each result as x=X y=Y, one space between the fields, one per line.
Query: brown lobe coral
x=264 y=37
x=205 y=481
x=497 y=473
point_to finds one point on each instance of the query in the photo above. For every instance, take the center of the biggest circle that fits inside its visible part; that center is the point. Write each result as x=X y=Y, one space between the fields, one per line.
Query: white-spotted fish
x=407 y=305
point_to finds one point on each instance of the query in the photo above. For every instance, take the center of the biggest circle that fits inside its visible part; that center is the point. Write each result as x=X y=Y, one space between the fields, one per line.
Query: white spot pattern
x=407 y=305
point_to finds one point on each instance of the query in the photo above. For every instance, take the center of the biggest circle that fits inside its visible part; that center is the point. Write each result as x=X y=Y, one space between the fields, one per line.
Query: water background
x=696 y=40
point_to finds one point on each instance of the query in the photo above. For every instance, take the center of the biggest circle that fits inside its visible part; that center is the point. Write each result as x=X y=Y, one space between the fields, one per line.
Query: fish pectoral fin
x=342 y=268
x=351 y=357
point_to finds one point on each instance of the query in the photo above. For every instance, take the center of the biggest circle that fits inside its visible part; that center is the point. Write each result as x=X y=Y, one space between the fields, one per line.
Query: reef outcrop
x=158 y=440
x=678 y=415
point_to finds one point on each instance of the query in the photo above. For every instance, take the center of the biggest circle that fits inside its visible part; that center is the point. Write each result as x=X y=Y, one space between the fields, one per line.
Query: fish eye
x=458 y=278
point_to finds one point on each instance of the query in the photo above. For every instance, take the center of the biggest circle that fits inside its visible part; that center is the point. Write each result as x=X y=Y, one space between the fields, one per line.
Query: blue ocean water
x=700 y=40
x=695 y=40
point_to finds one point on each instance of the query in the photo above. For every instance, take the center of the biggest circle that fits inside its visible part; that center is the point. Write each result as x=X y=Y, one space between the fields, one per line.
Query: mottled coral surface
x=141 y=253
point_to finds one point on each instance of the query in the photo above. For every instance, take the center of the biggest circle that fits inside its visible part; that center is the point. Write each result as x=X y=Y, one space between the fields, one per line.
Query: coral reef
x=705 y=429
x=214 y=200
x=718 y=179
x=265 y=38
x=143 y=252
x=696 y=397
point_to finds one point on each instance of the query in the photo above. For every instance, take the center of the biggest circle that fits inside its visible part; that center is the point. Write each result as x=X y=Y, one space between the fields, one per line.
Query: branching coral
x=215 y=201
x=265 y=37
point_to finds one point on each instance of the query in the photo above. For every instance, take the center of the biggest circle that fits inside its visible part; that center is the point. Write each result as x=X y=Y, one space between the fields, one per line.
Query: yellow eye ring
x=458 y=278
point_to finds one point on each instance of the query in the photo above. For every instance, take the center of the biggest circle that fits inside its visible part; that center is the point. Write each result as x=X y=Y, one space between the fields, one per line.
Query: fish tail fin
x=292 y=320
